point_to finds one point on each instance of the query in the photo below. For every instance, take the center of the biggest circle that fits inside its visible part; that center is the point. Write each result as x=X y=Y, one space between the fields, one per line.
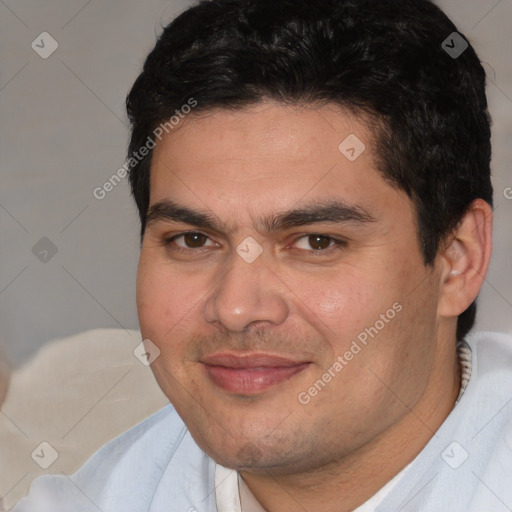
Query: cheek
x=339 y=303
x=165 y=304
x=164 y=298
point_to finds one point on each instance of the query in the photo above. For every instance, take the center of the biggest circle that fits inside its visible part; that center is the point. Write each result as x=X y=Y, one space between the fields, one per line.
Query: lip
x=249 y=374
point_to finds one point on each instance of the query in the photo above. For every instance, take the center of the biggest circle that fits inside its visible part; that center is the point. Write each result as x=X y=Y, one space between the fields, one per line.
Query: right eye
x=191 y=241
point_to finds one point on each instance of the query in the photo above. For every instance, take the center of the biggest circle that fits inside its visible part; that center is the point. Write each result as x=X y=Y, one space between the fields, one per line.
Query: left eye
x=317 y=242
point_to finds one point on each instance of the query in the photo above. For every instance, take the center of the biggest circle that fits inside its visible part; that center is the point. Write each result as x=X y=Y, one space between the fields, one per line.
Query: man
x=314 y=191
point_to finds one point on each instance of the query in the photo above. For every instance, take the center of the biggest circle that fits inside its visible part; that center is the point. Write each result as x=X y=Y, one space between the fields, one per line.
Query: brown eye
x=194 y=240
x=319 y=242
x=315 y=242
x=188 y=241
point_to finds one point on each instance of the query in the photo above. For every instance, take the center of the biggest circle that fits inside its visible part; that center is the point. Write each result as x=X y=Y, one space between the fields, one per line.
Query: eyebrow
x=333 y=211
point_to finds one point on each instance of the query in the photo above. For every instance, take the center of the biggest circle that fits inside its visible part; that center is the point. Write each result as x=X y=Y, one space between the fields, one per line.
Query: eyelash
x=338 y=243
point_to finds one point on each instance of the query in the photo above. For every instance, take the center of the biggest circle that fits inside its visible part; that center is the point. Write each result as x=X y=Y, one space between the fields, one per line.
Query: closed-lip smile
x=250 y=373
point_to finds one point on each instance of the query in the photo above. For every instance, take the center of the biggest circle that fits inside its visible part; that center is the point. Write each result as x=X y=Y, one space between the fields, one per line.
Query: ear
x=465 y=259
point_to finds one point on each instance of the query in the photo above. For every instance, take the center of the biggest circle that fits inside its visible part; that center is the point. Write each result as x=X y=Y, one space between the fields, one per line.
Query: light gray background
x=64 y=132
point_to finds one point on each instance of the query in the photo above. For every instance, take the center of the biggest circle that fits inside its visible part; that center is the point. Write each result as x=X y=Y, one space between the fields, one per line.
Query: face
x=282 y=281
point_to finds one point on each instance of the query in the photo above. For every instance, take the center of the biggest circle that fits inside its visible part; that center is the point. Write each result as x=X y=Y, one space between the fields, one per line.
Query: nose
x=247 y=293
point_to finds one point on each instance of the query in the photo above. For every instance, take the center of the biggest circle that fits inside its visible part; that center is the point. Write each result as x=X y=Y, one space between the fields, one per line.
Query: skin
x=380 y=410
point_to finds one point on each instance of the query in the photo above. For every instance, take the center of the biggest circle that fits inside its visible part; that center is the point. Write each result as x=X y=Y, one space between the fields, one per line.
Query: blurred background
x=65 y=133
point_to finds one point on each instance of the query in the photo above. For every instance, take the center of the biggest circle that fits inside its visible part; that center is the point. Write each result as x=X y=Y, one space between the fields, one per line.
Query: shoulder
x=122 y=475
x=491 y=397
x=492 y=356
x=490 y=444
x=490 y=385
x=152 y=439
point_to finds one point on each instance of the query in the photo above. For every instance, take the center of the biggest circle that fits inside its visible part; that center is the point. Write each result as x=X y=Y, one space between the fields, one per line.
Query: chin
x=249 y=453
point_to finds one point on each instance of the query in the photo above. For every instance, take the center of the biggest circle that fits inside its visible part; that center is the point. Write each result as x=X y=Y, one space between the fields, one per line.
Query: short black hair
x=384 y=60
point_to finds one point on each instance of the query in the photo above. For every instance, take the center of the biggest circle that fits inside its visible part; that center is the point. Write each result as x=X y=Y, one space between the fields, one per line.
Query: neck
x=344 y=486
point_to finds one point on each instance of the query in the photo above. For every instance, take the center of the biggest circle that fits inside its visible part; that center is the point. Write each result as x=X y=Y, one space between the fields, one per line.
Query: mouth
x=252 y=373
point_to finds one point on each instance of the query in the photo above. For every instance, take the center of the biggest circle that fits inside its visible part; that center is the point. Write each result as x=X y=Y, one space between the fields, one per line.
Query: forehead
x=268 y=131
x=269 y=157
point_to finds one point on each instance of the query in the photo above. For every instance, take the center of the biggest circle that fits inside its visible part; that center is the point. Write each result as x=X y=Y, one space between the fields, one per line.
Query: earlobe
x=465 y=260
